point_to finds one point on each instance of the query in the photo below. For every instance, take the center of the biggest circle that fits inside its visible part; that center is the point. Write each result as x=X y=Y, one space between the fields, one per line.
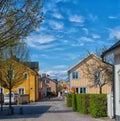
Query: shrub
x=69 y=100
x=98 y=105
x=74 y=103
x=82 y=103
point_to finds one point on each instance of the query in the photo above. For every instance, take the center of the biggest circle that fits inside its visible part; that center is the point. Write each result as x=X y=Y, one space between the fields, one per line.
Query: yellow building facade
x=29 y=83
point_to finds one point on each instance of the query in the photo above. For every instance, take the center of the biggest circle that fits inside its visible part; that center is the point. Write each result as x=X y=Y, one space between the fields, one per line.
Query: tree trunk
x=100 y=87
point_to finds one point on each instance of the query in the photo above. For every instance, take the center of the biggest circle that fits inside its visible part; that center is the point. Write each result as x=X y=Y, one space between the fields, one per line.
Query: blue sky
x=70 y=29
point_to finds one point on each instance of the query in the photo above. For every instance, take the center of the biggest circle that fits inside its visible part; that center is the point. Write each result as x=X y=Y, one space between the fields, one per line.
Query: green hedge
x=74 y=104
x=82 y=103
x=98 y=105
x=69 y=100
x=93 y=104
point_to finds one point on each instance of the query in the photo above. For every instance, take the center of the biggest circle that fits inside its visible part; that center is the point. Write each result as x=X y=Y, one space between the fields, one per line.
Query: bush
x=83 y=103
x=98 y=105
x=93 y=104
x=69 y=100
x=74 y=103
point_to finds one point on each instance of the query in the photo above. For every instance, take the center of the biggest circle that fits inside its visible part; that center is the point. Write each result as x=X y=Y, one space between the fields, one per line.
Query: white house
x=115 y=50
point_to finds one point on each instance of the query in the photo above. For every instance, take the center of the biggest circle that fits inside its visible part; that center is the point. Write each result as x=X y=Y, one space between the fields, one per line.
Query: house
x=24 y=78
x=63 y=86
x=48 y=85
x=82 y=76
x=115 y=50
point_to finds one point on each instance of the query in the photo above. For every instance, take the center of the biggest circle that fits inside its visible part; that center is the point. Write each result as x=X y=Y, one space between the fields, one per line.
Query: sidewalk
x=48 y=110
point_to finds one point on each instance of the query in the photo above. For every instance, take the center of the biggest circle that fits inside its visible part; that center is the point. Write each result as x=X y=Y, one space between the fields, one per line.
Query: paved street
x=47 y=110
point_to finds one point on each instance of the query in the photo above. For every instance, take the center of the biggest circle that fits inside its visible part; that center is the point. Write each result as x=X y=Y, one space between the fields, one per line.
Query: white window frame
x=76 y=74
x=79 y=90
x=19 y=92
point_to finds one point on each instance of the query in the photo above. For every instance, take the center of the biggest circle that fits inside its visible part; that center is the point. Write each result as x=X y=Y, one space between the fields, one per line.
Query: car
x=14 y=98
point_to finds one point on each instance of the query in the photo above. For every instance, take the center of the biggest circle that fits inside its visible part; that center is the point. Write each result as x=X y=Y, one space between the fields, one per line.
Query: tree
x=18 y=18
x=13 y=68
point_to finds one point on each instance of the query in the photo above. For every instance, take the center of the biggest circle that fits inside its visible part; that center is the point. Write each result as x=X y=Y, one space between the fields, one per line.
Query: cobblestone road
x=47 y=110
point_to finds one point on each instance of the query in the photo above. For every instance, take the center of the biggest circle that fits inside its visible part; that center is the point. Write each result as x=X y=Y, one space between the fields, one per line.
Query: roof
x=86 y=58
x=42 y=78
x=112 y=48
x=33 y=65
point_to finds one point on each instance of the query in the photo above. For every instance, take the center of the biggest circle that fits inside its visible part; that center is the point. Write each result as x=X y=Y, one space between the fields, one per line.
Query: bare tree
x=18 y=19
x=13 y=68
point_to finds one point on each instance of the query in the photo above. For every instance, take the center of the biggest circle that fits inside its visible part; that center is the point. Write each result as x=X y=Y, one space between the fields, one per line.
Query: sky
x=70 y=29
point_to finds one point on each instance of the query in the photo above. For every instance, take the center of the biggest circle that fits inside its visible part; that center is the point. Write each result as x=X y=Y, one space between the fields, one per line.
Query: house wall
x=52 y=84
x=86 y=81
x=117 y=87
x=29 y=86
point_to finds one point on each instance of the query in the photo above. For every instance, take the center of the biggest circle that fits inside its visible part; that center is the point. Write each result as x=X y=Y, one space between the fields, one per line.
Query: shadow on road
x=27 y=111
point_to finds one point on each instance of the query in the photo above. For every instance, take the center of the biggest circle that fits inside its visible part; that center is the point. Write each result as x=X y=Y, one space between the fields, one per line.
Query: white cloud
x=56 y=25
x=96 y=36
x=76 y=18
x=112 y=17
x=85 y=30
x=114 y=33
x=41 y=39
x=86 y=39
x=41 y=42
x=56 y=74
x=57 y=15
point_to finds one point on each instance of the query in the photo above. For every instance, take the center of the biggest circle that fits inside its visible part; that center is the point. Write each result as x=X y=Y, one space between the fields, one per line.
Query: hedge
x=98 y=105
x=74 y=104
x=82 y=103
x=93 y=104
x=69 y=100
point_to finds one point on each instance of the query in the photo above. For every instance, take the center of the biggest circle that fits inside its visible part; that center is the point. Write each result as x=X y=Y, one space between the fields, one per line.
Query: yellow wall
x=30 y=85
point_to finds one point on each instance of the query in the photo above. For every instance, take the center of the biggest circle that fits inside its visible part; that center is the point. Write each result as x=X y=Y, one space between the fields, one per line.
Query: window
x=21 y=91
x=77 y=90
x=75 y=75
x=82 y=90
x=97 y=77
x=25 y=75
x=47 y=81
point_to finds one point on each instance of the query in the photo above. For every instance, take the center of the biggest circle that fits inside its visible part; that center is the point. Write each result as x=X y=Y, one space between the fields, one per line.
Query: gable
x=90 y=57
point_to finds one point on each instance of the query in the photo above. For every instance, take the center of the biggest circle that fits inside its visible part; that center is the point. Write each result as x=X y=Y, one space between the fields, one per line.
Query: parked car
x=14 y=98
x=1 y=98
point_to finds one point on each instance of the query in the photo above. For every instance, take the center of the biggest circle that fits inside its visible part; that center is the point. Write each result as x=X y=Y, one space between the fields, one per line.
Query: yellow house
x=91 y=76
x=25 y=78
